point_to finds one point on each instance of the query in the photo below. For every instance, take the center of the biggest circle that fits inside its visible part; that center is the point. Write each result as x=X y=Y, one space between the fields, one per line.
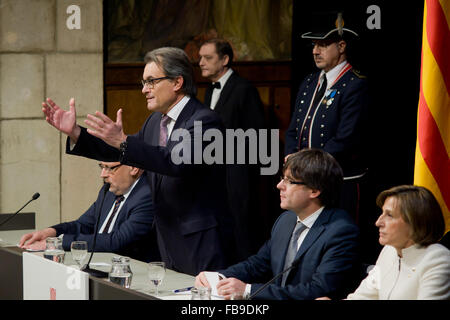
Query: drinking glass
x=54 y=250
x=201 y=293
x=79 y=251
x=121 y=271
x=156 y=272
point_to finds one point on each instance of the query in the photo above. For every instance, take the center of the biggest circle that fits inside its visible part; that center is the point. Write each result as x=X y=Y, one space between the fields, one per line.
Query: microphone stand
x=94 y=272
x=35 y=196
x=293 y=265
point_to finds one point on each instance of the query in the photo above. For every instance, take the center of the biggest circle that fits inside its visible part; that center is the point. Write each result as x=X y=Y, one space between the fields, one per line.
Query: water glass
x=156 y=273
x=79 y=251
x=201 y=293
x=54 y=250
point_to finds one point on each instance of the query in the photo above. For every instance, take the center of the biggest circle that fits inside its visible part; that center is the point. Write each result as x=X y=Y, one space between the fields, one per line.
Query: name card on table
x=44 y=279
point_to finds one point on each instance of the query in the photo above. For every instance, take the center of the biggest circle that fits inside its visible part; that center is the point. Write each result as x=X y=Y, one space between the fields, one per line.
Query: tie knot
x=215 y=85
x=165 y=120
x=119 y=199
x=324 y=79
x=298 y=229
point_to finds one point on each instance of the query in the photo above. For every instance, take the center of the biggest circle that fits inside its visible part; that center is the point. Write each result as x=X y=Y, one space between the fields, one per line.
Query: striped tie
x=119 y=199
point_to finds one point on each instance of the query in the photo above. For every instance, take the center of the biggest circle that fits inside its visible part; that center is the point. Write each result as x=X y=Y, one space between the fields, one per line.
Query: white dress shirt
x=216 y=92
x=308 y=222
x=111 y=226
x=332 y=74
x=174 y=113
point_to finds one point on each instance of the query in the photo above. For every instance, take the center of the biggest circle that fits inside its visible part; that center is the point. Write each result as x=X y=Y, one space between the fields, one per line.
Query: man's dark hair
x=319 y=171
x=223 y=48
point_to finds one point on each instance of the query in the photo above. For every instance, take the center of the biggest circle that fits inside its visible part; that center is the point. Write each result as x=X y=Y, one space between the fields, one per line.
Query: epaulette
x=358 y=74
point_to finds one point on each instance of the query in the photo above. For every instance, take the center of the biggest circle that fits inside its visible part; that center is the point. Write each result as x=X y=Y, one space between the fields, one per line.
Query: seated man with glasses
x=126 y=218
x=318 y=240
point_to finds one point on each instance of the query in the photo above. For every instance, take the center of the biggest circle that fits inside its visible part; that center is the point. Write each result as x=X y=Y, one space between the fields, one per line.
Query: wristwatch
x=123 y=149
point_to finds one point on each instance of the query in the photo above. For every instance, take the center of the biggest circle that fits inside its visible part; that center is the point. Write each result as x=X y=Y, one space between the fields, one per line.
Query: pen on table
x=182 y=290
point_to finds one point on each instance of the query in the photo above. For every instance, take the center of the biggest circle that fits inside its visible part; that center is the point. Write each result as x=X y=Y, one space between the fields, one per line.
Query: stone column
x=41 y=57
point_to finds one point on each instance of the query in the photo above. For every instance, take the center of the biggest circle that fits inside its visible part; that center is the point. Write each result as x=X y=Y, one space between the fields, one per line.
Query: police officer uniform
x=337 y=121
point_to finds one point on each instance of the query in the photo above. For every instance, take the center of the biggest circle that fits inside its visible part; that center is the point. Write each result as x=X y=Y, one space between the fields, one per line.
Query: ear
x=134 y=171
x=178 y=83
x=341 y=46
x=314 y=194
x=226 y=59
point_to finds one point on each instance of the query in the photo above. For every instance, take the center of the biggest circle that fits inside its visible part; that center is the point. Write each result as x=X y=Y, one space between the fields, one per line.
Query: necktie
x=292 y=250
x=215 y=85
x=163 y=130
x=321 y=91
x=119 y=199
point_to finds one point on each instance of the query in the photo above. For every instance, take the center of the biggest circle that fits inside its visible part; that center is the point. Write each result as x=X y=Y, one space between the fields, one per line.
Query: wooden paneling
x=134 y=107
x=272 y=79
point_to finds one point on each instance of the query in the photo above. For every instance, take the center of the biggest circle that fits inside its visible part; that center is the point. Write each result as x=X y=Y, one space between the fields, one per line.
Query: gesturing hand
x=101 y=126
x=64 y=121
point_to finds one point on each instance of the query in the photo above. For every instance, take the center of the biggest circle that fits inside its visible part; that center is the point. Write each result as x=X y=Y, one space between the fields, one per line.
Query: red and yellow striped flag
x=432 y=166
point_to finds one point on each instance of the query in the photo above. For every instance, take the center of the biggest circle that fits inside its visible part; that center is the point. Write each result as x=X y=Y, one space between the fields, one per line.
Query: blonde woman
x=412 y=265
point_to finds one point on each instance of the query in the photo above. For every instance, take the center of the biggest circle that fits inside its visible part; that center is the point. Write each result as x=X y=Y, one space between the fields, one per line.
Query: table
x=11 y=284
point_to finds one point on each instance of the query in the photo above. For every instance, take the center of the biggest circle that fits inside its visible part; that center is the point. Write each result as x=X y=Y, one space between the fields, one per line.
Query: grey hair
x=174 y=62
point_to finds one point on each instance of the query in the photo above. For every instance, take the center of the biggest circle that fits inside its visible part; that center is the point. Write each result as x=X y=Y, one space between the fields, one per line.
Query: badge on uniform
x=329 y=98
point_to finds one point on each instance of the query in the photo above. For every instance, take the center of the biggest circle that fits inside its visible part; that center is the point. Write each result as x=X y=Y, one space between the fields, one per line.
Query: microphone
x=293 y=265
x=35 y=196
x=94 y=272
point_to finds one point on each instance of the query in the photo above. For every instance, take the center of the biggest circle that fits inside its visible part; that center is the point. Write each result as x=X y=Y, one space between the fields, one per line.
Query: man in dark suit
x=331 y=108
x=319 y=240
x=189 y=195
x=126 y=218
x=238 y=103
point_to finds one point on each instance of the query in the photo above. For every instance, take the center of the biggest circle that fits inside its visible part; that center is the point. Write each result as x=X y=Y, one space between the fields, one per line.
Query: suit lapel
x=284 y=241
x=183 y=117
x=208 y=95
x=315 y=231
x=226 y=92
x=154 y=141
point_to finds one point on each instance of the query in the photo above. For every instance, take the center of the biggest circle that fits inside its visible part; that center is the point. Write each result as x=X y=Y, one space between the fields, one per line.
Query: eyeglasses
x=288 y=181
x=108 y=169
x=150 y=83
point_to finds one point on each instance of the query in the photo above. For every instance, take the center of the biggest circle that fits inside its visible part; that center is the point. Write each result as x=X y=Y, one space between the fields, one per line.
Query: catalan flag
x=432 y=166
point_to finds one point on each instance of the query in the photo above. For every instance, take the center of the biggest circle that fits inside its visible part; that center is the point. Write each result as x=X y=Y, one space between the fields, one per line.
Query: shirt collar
x=225 y=78
x=333 y=73
x=176 y=109
x=309 y=221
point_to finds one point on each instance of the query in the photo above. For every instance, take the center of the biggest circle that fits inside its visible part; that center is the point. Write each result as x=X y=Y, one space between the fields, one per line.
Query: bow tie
x=215 y=85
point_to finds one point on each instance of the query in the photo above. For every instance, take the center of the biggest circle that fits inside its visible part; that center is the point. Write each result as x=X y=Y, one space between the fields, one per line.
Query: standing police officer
x=331 y=108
